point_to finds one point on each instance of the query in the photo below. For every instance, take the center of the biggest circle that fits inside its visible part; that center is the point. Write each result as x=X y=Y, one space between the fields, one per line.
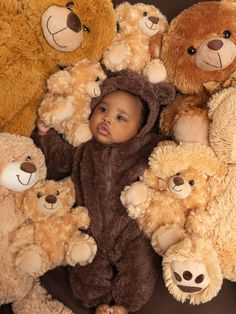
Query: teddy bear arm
x=117 y=56
x=23 y=236
x=81 y=217
x=155 y=45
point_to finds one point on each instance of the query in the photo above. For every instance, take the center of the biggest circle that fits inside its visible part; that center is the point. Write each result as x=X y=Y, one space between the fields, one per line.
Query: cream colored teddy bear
x=51 y=235
x=66 y=105
x=130 y=49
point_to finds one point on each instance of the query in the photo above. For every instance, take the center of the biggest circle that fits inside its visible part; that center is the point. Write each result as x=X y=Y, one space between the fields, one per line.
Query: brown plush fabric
x=124 y=269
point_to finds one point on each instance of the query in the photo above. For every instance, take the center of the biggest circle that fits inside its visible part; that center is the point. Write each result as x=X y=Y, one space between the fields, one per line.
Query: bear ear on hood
x=165 y=93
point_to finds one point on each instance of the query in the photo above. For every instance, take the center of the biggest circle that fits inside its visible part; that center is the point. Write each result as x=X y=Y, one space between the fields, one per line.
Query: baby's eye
x=102 y=109
x=120 y=118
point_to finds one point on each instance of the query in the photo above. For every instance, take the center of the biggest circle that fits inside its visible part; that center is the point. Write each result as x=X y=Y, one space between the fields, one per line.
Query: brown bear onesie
x=124 y=270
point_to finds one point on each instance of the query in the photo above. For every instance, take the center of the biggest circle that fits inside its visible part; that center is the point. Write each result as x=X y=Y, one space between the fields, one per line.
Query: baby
x=122 y=275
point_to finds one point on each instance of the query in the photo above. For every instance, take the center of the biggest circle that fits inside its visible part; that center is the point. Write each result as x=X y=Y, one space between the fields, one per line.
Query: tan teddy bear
x=176 y=183
x=137 y=23
x=51 y=237
x=194 y=268
x=198 y=50
x=66 y=106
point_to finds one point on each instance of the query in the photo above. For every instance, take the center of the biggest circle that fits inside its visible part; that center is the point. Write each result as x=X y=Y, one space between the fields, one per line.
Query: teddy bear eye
x=117 y=27
x=227 y=34
x=191 y=50
x=86 y=29
x=191 y=182
x=28 y=158
x=97 y=79
x=39 y=195
x=177 y=174
x=70 y=5
x=145 y=14
x=57 y=193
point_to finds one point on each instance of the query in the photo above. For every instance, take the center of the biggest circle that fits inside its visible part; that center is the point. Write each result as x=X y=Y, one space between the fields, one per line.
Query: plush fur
x=137 y=23
x=50 y=236
x=66 y=106
x=29 y=54
x=198 y=51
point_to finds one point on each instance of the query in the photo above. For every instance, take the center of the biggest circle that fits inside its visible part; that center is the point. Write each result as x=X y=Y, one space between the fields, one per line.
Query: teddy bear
x=38 y=38
x=198 y=51
x=66 y=105
x=195 y=267
x=137 y=23
x=51 y=235
x=176 y=183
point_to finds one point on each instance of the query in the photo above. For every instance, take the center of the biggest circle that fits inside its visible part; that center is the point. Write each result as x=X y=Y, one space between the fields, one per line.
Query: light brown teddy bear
x=21 y=166
x=130 y=49
x=66 y=106
x=194 y=268
x=51 y=235
x=175 y=184
x=199 y=51
x=38 y=38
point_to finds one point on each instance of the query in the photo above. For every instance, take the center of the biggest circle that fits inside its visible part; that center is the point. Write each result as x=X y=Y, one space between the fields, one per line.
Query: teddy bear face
x=200 y=46
x=48 y=198
x=144 y=19
x=22 y=163
x=79 y=27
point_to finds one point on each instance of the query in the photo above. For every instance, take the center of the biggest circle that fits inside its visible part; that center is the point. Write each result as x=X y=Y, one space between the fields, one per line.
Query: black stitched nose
x=153 y=19
x=215 y=44
x=73 y=22
x=178 y=181
x=51 y=199
x=28 y=167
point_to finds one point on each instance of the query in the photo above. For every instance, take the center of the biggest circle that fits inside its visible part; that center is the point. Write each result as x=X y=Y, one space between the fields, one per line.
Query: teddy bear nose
x=178 y=181
x=51 y=199
x=153 y=19
x=28 y=167
x=215 y=44
x=73 y=22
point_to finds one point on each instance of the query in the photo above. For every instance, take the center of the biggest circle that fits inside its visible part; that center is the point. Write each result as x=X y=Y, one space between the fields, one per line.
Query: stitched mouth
x=53 y=34
x=153 y=29
x=95 y=94
x=213 y=65
x=174 y=189
x=49 y=208
x=18 y=178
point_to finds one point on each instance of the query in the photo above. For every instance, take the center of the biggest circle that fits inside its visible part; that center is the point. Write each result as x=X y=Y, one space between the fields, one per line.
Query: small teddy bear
x=51 y=235
x=137 y=23
x=66 y=106
x=176 y=183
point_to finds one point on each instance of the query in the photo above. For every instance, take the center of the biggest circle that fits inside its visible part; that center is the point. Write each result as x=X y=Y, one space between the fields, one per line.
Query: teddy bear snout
x=73 y=22
x=51 y=199
x=215 y=44
x=154 y=19
x=178 y=181
x=28 y=167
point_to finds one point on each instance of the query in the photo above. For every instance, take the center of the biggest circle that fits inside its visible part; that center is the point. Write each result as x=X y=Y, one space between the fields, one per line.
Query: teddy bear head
x=48 y=198
x=222 y=132
x=185 y=170
x=22 y=163
x=140 y=18
x=70 y=30
x=199 y=48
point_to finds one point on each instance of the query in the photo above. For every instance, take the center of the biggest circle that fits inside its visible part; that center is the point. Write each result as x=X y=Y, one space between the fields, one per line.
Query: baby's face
x=116 y=118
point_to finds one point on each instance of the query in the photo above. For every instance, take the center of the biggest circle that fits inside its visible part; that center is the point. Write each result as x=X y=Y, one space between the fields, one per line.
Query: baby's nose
x=107 y=119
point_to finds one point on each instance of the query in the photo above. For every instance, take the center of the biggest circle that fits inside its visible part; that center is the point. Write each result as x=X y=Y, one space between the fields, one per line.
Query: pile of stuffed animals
x=54 y=58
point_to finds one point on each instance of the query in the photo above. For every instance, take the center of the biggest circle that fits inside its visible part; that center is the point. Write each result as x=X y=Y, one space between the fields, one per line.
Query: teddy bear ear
x=68 y=186
x=217 y=99
x=165 y=93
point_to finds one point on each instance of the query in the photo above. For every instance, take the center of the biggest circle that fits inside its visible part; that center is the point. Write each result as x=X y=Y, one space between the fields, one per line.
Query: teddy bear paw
x=117 y=56
x=80 y=135
x=29 y=261
x=136 y=199
x=166 y=236
x=81 y=251
x=155 y=71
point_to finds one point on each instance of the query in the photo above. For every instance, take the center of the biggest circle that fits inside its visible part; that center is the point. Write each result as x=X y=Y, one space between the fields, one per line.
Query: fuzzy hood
x=154 y=95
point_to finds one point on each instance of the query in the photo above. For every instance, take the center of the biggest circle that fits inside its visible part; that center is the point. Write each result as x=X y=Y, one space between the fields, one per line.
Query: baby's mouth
x=103 y=129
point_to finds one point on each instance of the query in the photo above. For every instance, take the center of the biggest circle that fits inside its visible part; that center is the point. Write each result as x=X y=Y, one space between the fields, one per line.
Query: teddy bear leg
x=136 y=199
x=38 y=301
x=192 y=271
x=32 y=260
x=155 y=71
x=117 y=56
x=166 y=236
x=81 y=248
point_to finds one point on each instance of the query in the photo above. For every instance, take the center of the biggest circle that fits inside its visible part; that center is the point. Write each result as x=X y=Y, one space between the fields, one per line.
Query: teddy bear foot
x=81 y=251
x=155 y=71
x=116 y=58
x=29 y=261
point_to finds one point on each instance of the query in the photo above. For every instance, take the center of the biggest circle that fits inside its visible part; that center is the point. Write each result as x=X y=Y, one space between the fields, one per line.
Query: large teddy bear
x=137 y=23
x=66 y=105
x=176 y=183
x=39 y=37
x=199 y=52
x=51 y=235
